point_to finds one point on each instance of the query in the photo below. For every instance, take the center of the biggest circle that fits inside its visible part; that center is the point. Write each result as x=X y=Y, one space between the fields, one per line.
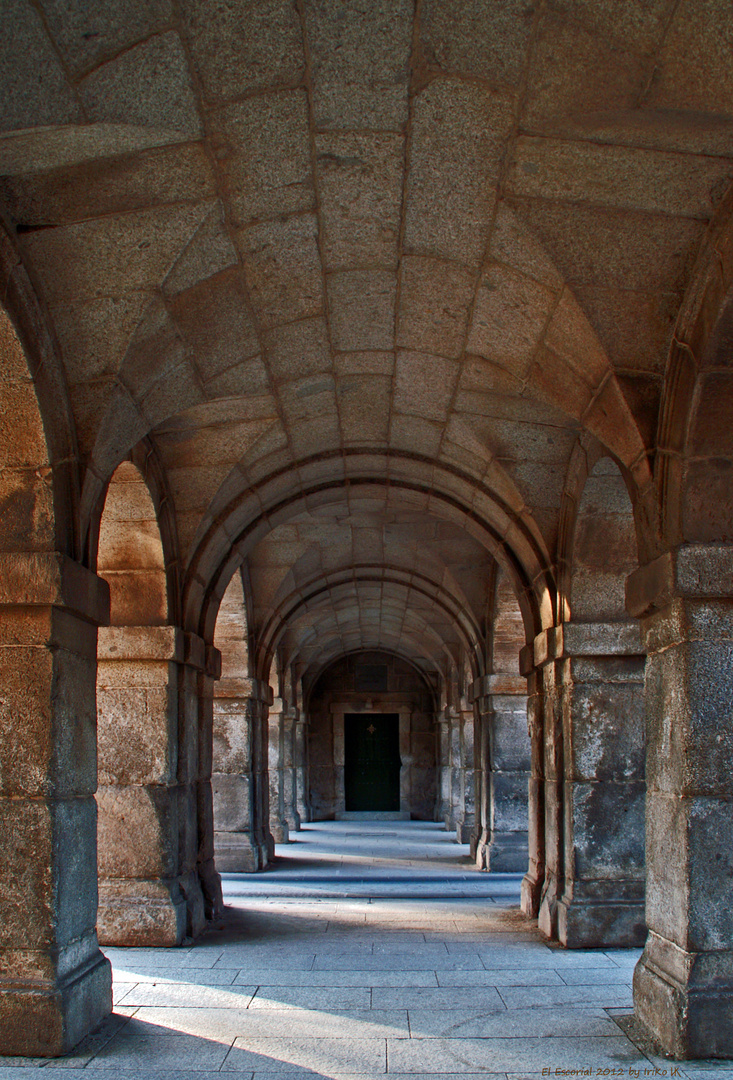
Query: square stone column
x=544 y=882
x=203 y=670
x=242 y=838
x=466 y=811
x=504 y=766
x=300 y=750
x=443 y=802
x=533 y=880
x=289 y=781
x=284 y=816
x=602 y=903
x=150 y=893
x=450 y=725
x=683 y=983
x=55 y=985
x=481 y=833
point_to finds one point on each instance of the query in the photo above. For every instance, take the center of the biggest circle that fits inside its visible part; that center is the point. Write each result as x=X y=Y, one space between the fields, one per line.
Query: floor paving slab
x=153 y=1052
x=594 y=976
x=281 y=978
x=510 y=1054
x=226 y=1025
x=176 y=995
x=520 y=1023
x=320 y=1055
x=447 y=998
x=311 y=997
x=501 y=977
x=613 y=995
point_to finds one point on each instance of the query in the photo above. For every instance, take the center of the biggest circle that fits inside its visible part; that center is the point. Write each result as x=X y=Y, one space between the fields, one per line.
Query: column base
x=584 y=923
x=238 y=853
x=507 y=853
x=531 y=894
x=156 y=914
x=41 y=1020
x=209 y=884
x=685 y=1000
x=463 y=832
x=547 y=914
x=280 y=832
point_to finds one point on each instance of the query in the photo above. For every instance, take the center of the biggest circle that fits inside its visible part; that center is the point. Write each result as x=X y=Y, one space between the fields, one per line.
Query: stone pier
x=683 y=984
x=242 y=838
x=503 y=766
x=602 y=903
x=149 y=892
x=55 y=985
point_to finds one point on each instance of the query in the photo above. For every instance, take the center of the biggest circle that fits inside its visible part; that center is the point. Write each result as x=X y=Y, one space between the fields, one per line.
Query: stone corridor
x=378 y=975
x=366 y=444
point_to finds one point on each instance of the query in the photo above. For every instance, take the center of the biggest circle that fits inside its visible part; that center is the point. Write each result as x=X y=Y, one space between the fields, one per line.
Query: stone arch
x=594 y=743
x=240 y=783
x=692 y=471
x=149 y=889
x=39 y=444
x=504 y=530
x=329 y=585
x=370 y=682
x=500 y=841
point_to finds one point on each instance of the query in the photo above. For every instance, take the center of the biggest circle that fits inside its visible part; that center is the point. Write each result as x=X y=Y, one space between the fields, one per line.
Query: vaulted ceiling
x=362 y=271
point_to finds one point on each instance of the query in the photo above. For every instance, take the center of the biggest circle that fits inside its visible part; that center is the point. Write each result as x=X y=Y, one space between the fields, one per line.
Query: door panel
x=372 y=761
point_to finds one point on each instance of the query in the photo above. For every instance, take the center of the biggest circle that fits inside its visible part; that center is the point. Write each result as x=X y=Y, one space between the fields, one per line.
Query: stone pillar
x=466 y=809
x=149 y=891
x=289 y=787
x=545 y=712
x=683 y=983
x=284 y=816
x=276 y=769
x=534 y=879
x=300 y=745
x=451 y=780
x=202 y=671
x=503 y=846
x=242 y=838
x=602 y=903
x=444 y=802
x=481 y=833
x=55 y=985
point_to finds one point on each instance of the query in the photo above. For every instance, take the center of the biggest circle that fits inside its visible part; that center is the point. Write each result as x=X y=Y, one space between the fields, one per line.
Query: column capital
x=501 y=683
x=49 y=578
x=693 y=571
x=162 y=643
x=244 y=689
x=581 y=639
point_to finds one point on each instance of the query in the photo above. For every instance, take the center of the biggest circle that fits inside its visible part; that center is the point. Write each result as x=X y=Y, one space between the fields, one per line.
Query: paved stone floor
x=371 y=948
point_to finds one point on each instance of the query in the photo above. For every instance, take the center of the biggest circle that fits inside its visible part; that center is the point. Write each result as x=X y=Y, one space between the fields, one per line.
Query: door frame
x=404 y=712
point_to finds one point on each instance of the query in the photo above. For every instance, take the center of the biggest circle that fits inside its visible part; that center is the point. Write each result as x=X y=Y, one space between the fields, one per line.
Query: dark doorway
x=372 y=761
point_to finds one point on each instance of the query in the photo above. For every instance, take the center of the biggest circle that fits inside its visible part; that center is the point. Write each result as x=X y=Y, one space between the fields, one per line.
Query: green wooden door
x=372 y=761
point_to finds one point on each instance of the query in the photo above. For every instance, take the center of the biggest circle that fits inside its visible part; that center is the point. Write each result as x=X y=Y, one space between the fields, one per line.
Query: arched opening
x=594 y=740
x=240 y=782
x=504 y=757
x=149 y=892
x=387 y=772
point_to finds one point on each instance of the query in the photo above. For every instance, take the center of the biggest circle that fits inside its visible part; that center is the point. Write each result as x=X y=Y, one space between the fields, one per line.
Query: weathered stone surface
x=346 y=48
x=237 y=49
x=376 y=299
x=360 y=188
